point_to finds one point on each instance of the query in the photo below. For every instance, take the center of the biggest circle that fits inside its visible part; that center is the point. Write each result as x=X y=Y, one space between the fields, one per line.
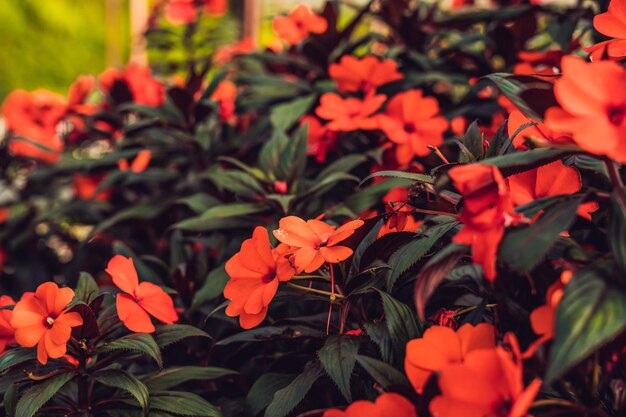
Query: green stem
x=470 y=308
x=331 y=296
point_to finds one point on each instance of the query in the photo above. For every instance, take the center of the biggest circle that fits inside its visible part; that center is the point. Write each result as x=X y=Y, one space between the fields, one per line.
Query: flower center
x=269 y=278
x=49 y=321
x=616 y=115
x=409 y=128
x=503 y=408
x=366 y=86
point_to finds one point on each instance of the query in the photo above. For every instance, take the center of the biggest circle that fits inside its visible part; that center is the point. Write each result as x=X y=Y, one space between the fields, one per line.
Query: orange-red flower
x=412 y=121
x=41 y=319
x=537 y=132
x=86 y=187
x=33 y=117
x=6 y=330
x=298 y=24
x=548 y=180
x=612 y=24
x=593 y=106
x=139 y=300
x=255 y=272
x=139 y=164
x=137 y=79
x=225 y=53
x=314 y=241
x=538 y=62
x=320 y=138
x=487 y=210
x=441 y=346
x=186 y=11
x=348 y=114
x=489 y=383
x=388 y=404
x=225 y=94
x=366 y=74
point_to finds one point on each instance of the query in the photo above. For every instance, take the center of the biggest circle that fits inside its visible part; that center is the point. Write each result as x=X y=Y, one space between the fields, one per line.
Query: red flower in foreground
x=139 y=164
x=412 y=121
x=387 y=404
x=487 y=210
x=593 y=106
x=34 y=116
x=186 y=11
x=41 y=319
x=139 y=300
x=314 y=241
x=548 y=180
x=349 y=114
x=365 y=74
x=143 y=88
x=6 y=330
x=441 y=346
x=320 y=138
x=488 y=383
x=255 y=272
x=298 y=24
x=536 y=132
x=612 y=24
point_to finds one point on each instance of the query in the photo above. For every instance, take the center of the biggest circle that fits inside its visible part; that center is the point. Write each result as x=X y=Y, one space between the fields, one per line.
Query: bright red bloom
x=34 y=116
x=612 y=24
x=225 y=94
x=537 y=133
x=179 y=12
x=315 y=242
x=412 y=121
x=320 y=138
x=298 y=24
x=365 y=74
x=139 y=300
x=538 y=62
x=349 y=114
x=487 y=210
x=593 y=106
x=225 y=53
x=548 y=180
x=489 y=383
x=139 y=164
x=388 y=404
x=255 y=272
x=143 y=88
x=6 y=330
x=441 y=346
x=86 y=186
x=41 y=319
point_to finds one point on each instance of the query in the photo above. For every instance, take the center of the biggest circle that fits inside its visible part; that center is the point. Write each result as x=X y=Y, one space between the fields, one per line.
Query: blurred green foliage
x=46 y=44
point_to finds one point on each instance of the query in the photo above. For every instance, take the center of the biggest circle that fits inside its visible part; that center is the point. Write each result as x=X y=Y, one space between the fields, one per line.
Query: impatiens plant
x=399 y=209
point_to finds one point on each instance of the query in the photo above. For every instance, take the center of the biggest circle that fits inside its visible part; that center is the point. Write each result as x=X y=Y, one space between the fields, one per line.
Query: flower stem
x=439 y=154
x=470 y=308
x=616 y=180
x=330 y=295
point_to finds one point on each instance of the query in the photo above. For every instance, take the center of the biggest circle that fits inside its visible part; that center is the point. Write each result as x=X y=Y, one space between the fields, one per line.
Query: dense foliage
x=401 y=210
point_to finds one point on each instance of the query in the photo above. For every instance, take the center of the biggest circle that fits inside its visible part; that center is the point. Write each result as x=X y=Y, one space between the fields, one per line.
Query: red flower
x=593 y=105
x=537 y=132
x=441 y=346
x=225 y=53
x=34 y=118
x=298 y=24
x=6 y=330
x=612 y=24
x=320 y=138
x=387 y=404
x=139 y=301
x=366 y=74
x=41 y=319
x=349 y=114
x=412 y=121
x=255 y=272
x=139 y=164
x=143 y=88
x=225 y=94
x=314 y=241
x=487 y=210
x=548 y=180
x=186 y=11
x=85 y=187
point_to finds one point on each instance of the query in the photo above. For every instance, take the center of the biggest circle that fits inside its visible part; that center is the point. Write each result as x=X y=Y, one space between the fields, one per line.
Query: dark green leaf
x=214 y=218
x=384 y=375
x=401 y=323
x=338 y=356
x=516 y=162
x=86 y=288
x=137 y=342
x=212 y=288
x=284 y=115
x=400 y=174
x=473 y=143
x=263 y=334
x=117 y=378
x=15 y=357
x=182 y=404
x=167 y=334
x=172 y=377
x=10 y=399
x=367 y=197
x=39 y=394
x=617 y=228
x=263 y=390
x=289 y=397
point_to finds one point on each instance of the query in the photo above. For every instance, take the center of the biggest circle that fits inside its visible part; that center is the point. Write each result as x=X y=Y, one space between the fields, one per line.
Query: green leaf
x=427 y=179
x=591 y=313
x=214 y=218
x=182 y=404
x=143 y=211
x=117 y=378
x=172 y=377
x=38 y=395
x=288 y=398
x=516 y=162
x=401 y=323
x=264 y=334
x=284 y=115
x=338 y=356
x=523 y=248
x=167 y=334
x=412 y=252
x=212 y=288
x=263 y=390
x=10 y=399
x=617 y=228
x=384 y=375
x=137 y=342
x=86 y=288
x=199 y=202
x=16 y=356
x=344 y=164
x=513 y=87
x=368 y=197
x=472 y=145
